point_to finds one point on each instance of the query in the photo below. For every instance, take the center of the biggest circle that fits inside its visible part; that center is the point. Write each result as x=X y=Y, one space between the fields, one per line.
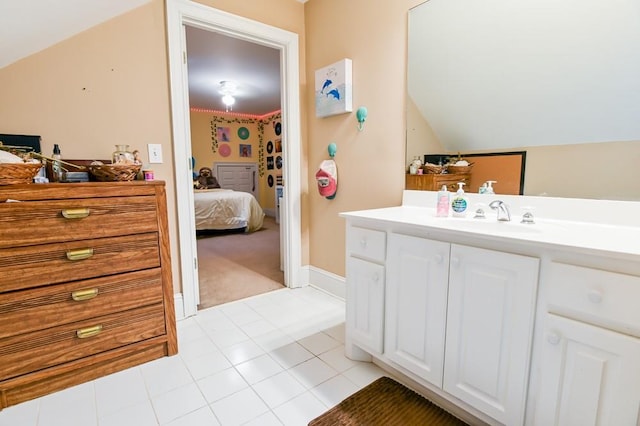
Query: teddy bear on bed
x=206 y=180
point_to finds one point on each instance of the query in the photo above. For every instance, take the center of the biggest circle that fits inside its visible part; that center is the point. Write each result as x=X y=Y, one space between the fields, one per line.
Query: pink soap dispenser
x=442 y=207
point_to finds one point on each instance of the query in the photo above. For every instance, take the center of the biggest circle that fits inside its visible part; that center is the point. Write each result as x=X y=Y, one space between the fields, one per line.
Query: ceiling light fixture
x=228 y=89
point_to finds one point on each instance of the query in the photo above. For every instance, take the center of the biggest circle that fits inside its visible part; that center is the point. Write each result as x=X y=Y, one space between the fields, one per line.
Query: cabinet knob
x=595 y=296
x=553 y=338
x=455 y=261
x=363 y=242
x=375 y=278
x=80 y=254
x=75 y=213
x=438 y=258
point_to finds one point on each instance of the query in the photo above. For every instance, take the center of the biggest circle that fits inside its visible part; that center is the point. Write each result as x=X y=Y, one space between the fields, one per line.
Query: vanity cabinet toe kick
x=510 y=333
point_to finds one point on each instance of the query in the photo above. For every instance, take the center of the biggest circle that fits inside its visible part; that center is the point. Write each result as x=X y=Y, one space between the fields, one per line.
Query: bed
x=222 y=209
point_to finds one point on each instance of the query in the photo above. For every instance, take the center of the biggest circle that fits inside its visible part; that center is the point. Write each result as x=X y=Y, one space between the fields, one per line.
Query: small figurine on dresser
x=206 y=180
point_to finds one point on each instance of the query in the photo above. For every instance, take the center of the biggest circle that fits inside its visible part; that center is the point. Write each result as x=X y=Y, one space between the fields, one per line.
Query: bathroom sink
x=493 y=226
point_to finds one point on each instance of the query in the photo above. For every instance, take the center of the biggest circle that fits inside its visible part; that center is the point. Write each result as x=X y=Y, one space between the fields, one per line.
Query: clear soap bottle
x=442 y=206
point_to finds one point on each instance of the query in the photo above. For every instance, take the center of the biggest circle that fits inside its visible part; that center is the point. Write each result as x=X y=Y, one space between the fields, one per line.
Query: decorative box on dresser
x=434 y=181
x=85 y=283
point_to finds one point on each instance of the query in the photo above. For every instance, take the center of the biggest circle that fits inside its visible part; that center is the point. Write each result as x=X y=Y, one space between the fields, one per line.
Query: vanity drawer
x=42 y=222
x=32 y=266
x=50 y=306
x=35 y=351
x=367 y=243
x=596 y=296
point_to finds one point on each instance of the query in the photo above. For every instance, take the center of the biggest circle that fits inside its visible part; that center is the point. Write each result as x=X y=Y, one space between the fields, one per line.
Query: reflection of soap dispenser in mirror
x=460 y=203
x=442 y=207
x=489 y=188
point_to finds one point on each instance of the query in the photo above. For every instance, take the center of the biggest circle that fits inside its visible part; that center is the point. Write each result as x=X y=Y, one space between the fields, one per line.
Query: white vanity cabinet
x=416 y=305
x=589 y=348
x=455 y=316
x=366 y=249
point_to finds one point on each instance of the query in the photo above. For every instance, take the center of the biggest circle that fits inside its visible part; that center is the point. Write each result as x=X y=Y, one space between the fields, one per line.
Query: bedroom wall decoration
x=333 y=89
x=269 y=147
x=245 y=150
x=224 y=134
x=270 y=163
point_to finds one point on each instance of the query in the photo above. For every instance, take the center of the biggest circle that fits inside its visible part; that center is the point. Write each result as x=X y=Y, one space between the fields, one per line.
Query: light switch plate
x=155 y=153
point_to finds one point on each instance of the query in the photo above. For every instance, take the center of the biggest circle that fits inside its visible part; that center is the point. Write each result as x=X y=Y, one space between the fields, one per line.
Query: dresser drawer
x=596 y=296
x=31 y=352
x=367 y=243
x=32 y=266
x=42 y=222
x=45 y=307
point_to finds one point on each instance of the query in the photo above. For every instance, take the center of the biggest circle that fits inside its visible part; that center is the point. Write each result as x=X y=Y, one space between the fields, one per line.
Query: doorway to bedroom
x=241 y=145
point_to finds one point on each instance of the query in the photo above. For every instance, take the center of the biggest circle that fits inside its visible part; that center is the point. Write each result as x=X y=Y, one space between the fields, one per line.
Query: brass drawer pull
x=88 y=332
x=75 y=213
x=80 y=254
x=86 y=294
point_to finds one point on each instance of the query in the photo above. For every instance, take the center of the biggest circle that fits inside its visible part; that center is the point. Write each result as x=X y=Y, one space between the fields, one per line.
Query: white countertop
x=619 y=238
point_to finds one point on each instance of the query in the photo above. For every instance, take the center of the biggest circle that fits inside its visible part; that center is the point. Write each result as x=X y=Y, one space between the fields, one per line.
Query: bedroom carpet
x=237 y=265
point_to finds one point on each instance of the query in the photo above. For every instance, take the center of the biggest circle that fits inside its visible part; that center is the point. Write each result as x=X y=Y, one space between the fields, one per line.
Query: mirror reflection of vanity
x=555 y=79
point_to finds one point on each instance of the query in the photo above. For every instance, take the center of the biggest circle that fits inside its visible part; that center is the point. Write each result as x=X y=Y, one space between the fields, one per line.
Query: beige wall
x=370 y=163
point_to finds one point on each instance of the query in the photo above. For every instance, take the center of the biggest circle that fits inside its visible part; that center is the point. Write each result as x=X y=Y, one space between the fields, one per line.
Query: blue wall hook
x=361 y=116
x=332 y=148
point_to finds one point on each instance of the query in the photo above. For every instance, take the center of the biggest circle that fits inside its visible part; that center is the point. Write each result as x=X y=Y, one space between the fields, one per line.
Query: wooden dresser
x=85 y=283
x=433 y=182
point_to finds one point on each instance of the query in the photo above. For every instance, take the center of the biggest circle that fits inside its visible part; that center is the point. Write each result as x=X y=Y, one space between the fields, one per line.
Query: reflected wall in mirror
x=558 y=80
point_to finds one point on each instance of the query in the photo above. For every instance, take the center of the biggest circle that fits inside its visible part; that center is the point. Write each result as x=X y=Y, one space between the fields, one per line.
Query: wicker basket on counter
x=114 y=172
x=16 y=173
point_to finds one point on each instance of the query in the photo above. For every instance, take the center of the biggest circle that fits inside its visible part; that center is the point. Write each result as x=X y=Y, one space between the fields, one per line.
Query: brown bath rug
x=386 y=402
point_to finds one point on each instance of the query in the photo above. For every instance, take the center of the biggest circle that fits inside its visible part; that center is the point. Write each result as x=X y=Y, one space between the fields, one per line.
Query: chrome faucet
x=503 y=210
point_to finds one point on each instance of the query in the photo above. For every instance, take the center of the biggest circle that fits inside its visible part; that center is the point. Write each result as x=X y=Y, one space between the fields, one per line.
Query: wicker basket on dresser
x=85 y=284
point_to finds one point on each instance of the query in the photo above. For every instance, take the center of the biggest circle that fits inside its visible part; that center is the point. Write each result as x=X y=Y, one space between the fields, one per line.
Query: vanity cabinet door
x=416 y=304
x=489 y=330
x=365 y=307
x=589 y=376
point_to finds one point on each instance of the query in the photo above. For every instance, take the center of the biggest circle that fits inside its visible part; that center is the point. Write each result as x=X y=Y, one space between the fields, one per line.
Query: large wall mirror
x=557 y=79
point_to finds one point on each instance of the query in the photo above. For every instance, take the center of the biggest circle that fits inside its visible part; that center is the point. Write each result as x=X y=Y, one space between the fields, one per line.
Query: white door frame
x=184 y=12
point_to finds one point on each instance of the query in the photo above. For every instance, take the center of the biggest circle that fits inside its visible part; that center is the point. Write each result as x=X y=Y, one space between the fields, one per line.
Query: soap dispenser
x=460 y=203
x=442 y=207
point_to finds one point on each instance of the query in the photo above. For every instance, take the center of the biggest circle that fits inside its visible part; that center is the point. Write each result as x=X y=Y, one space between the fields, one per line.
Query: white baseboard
x=178 y=302
x=270 y=212
x=328 y=281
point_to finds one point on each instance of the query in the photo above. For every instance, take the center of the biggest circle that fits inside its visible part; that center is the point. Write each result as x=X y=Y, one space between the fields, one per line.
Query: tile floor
x=272 y=359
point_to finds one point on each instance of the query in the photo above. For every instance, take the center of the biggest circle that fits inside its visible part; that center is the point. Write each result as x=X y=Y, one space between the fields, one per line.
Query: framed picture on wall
x=278 y=145
x=224 y=134
x=270 y=163
x=245 y=150
x=333 y=89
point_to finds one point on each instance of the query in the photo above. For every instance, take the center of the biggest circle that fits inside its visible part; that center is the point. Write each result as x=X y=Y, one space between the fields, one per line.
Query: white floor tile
x=300 y=410
x=25 y=414
x=364 y=373
x=257 y=328
x=197 y=348
x=140 y=414
x=165 y=374
x=120 y=390
x=334 y=390
x=267 y=419
x=337 y=359
x=319 y=343
x=273 y=340
x=178 y=402
x=278 y=389
x=313 y=372
x=243 y=351
x=71 y=407
x=201 y=417
x=225 y=338
x=291 y=355
x=222 y=384
x=258 y=369
x=239 y=408
x=207 y=365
